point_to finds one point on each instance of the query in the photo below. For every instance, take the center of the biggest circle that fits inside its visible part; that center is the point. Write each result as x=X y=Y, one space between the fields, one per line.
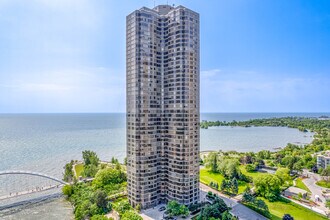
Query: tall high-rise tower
x=162 y=65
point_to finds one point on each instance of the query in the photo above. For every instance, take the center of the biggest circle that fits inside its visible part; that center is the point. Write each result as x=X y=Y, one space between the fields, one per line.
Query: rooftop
x=295 y=190
x=324 y=153
x=163 y=9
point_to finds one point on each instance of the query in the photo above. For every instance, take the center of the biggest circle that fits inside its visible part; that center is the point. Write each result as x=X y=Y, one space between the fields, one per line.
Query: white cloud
x=210 y=73
x=250 y=91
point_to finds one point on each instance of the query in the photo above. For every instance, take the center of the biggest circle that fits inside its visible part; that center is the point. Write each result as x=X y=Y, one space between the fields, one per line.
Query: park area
x=207 y=177
x=277 y=209
x=283 y=206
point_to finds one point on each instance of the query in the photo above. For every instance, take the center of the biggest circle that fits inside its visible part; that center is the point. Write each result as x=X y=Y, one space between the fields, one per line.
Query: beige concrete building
x=323 y=159
x=162 y=64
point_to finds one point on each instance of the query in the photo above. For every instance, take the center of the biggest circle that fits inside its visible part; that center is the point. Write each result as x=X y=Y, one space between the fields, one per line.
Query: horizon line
x=234 y=112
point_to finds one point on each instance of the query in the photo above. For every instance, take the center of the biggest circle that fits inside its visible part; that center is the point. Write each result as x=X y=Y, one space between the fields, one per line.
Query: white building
x=323 y=159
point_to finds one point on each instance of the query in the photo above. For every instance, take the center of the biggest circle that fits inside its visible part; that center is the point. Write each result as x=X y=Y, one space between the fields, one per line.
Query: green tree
x=130 y=215
x=283 y=174
x=184 y=211
x=250 y=168
x=247 y=196
x=209 y=212
x=214 y=211
x=212 y=162
x=108 y=176
x=264 y=154
x=90 y=170
x=90 y=157
x=226 y=216
x=229 y=168
x=268 y=186
x=234 y=186
x=100 y=198
x=224 y=185
x=67 y=190
x=232 y=169
x=173 y=208
x=82 y=211
x=91 y=162
x=326 y=173
x=123 y=207
x=68 y=172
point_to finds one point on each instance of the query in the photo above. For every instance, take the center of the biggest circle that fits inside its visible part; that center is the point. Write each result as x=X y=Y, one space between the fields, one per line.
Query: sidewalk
x=316 y=190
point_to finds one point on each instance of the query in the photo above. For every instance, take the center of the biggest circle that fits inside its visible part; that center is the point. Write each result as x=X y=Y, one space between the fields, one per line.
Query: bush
x=256 y=204
x=272 y=197
x=123 y=207
x=175 y=209
x=67 y=190
x=99 y=217
x=250 y=168
x=287 y=217
x=130 y=215
x=218 y=210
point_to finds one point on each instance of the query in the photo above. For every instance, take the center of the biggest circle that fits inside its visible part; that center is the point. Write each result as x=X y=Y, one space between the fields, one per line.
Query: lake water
x=46 y=142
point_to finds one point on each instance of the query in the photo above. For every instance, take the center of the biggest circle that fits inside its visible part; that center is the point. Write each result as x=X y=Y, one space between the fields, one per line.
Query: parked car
x=161 y=208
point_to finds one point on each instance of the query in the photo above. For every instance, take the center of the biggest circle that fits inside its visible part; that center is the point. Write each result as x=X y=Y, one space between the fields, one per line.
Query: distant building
x=323 y=159
x=162 y=69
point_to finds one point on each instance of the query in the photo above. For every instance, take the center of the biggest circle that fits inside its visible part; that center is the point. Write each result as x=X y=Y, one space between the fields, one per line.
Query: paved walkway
x=27 y=192
x=310 y=182
x=113 y=214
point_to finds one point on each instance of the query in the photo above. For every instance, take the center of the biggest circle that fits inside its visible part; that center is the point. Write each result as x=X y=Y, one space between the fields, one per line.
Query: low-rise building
x=295 y=191
x=323 y=159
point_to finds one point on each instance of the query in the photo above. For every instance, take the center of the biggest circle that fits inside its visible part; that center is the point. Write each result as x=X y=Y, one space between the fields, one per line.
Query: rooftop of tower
x=163 y=9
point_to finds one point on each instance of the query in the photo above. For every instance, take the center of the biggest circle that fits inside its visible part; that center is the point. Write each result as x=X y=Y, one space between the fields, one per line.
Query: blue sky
x=256 y=55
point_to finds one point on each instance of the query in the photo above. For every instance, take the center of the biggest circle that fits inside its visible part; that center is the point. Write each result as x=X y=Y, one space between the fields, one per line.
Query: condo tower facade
x=162 y=73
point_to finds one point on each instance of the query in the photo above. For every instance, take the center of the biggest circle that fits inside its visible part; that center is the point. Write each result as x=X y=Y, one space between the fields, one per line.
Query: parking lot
x=153 y=213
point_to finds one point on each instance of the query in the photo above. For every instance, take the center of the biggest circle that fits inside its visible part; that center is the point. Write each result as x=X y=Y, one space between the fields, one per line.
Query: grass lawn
x=206 y=177
x=284 y=206
x=78 y=168
x=323 y=183
x=251 y=174
x=301 y=185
